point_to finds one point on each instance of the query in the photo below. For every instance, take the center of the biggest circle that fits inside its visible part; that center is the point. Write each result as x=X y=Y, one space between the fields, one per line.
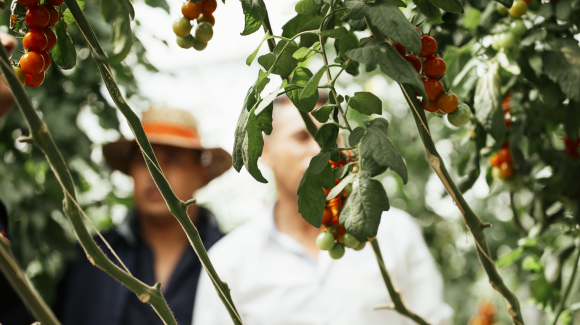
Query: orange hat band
x=168 y=129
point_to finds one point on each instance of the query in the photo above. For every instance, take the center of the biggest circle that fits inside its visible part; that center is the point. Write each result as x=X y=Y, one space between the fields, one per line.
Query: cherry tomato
x=34 y=40
x=327 y=217
x=337 y=251
x=182 y=27
x=447 y=103
x=191 y=10
x=32 y=62
x=431 y=108
x=51 y=37
x=518 y=9
x=428 y=46
x=496 y=172
x=53 y=14
x=400 y=48
x=506 y=103
x=417 y=28
x=37 y=17
x=199 y=46
x=54 y=2
x=355 y=169
x=46 y=58
x=502 y=10
x=414 y=60
x=569 y=143
x=208 y=6
x=506 y=40
x=518 y=28
x=325 y=241
x=29 y=3
x=433 y=87
x=208 y=19
x=504 y=156
x=434 y=67
x=494 y=161
x=20 y=74
x=460 y=116
x=204 y=32
x=349 y=240
x=186 y=42
x=34 y=80
x=508 y=122
x=507 y=170
x=360 y=246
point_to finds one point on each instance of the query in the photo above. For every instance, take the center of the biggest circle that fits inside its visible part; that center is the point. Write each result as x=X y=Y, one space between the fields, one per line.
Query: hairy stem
x=472 y=221
x=568 y=289
x=398 y=303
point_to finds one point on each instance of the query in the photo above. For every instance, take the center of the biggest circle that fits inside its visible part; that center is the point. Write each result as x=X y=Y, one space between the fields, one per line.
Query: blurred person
x=277 y=274
x=150 y=241
x=12 y=309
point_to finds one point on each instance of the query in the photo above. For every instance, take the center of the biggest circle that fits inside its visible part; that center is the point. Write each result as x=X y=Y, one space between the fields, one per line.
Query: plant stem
x=29 y=296
x=476 y=226
x=517 y=220
x=569 y=288
x=398 y=303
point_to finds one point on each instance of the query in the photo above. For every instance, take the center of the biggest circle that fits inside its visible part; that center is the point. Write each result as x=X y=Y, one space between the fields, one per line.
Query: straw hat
x=172 y=127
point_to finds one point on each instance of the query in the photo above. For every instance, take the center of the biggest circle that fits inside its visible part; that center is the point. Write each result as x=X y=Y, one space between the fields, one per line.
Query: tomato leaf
x=449 y=5
x=118 y=14
x=563 y=66
x=304 y=53
x=64 y=53
x=252 y=56
x=67 y=15
x=335 y=33
x=286 y=62
x=362 y=212
x=326 y=135
x=487 y=103
x=366 y=103
x=307 y=7
x=322 y=113
x=356 y=135
x=376 y=144
x=300 y=77
x=254 y=140
x=378 y=52
x=254 y=13
x=340 y=186
x=510 y=257
x=390 y=21
x=347 y=43
x=311 y=196
x=158 y=4
x=311 y=87
x=429 y=10
x=320 y=161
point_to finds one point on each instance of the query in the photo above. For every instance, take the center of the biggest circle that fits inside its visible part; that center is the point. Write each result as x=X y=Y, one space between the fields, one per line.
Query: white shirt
x=274 y=281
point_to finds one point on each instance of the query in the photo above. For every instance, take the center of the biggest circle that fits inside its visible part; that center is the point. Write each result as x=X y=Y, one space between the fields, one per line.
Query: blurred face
x=288 y=150
x=181 y=168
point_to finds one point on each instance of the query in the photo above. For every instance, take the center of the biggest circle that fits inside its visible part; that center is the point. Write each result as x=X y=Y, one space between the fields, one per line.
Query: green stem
x=398 y=303
x=29 y=296
x=568 y=289
x=476 y=226
x=517 y=220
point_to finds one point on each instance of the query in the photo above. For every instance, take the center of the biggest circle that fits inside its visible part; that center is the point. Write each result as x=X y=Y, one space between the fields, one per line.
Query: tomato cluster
x=333 y=236
x=508 y=40
x=502 y=162
x=485 y=314
x=38 y=39
x=203 y=13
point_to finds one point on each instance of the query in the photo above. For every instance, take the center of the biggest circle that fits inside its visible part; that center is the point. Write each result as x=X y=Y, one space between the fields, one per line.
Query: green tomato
x=200 y=46
x=460 y=116
x=204 y=32
x=518 y=9
x=337 y=251
x=186 y=42
x=495 y=42
x=507 y=40
x=518 y=28
x=534 y=5
x=349 y=240
x=360 y=246
x=502 y=9
x=496 y=172
x=182 y=27
x=348 y=189
x=325 y=241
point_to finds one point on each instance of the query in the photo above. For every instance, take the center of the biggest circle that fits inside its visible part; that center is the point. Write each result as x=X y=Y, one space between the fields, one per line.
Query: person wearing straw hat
x=150 y=241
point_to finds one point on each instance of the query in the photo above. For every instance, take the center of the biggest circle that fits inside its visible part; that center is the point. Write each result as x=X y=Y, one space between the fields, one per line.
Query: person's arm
x=6 y=99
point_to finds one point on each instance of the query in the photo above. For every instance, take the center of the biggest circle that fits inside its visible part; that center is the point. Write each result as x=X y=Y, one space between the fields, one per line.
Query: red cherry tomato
x=447 y=103
x=569 y=143
x=433 y=88
x=54 y=2
x=504 y=156
x=29 y=3
x=417 y=28
x=208 y=19
x=34 y=80
x=53 y=13
x=434 y=67
x=208 y=7
x=508 y=122
x=32 y=62
x=46 y=58
x=34 y=40
x=51 y=37
x=428 y=46
x=432 y=107
x=327 y=217
x=414 y=60
x=494 y=161
x=37 y=17
x=400 y=48
x=507 y=170
x=191 y=10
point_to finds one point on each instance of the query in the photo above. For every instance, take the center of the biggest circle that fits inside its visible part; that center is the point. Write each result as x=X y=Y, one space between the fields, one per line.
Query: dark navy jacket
x=89 y=296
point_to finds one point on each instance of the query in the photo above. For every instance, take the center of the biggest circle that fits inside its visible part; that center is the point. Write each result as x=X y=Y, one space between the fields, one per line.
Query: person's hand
x=6 y=99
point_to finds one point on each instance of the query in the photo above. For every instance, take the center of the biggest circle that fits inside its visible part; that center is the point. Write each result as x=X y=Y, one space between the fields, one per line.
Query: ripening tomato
x=494 y=161
x=414 y=60
x=34 y=80
x=182 y=27
x=29 y=3
x=434 y=67
x=199 y=46
x=46 y=58
x=428 y=46
x=518 y=28
x=53 y=14
x=54 y=2
x=191 y=10
x=460 y=116
x=20 y=74
x=208 y=19
x=349 y=240
x=51 y=37
x=32 y=62
x=504 y=156
x=506 y=103
x=34 y=40
x=337 y=251
x=433 y=88
x=518 y=9
x=431 y=108
x=506 y=169
x=208 y=6
x=327 y=217
x=447 y=103
x=185 y=42
x=400 y=48
x=203 y=32
x=37 y=17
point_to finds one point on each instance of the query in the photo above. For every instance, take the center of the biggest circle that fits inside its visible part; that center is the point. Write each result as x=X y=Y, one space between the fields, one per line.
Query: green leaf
x=254 y=13
x=300 y=77
x=356 y=135
x=362 y=212
x=311 y=87
x=322 y=113
x=366 y=103
x=304 y=53
x=122 y=39
x=471 y=168
x=506 y=3
x=311 y=196
x=449 y=5
x=374 y=51
x=320 y=161
x=267 y=101
x=562 y=65
x=158 y=4
x=67 y=15
x=335 y=33
x=347 y=43
x=307 y=7
x=429 y=10
x=252 y=56
x=471 y=19
x=64 y=53
x=390 y=22
x=301 y=23
x=341 y=171
x=510 y=258
x=326 y=135
x=340 y=186
x=254 y=140
x=286 y=63
x=487 y=103
x=376 y=144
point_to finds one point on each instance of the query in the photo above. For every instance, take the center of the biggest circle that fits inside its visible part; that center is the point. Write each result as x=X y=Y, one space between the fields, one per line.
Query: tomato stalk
x=569 y=288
